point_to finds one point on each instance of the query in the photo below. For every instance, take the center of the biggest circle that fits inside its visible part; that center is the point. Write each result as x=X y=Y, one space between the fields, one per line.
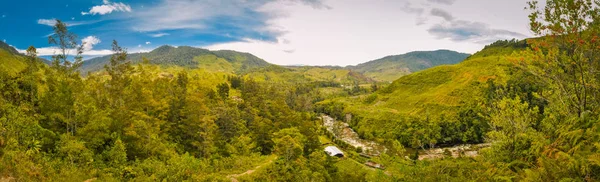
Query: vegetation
x=148 y=117
x=390 y=68
x=188 y=57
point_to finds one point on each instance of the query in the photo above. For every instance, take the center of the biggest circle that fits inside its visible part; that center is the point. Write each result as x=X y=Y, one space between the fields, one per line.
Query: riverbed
x=343 y=132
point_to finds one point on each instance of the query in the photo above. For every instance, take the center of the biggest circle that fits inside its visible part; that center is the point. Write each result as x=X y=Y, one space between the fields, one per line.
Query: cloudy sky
x=286 y=32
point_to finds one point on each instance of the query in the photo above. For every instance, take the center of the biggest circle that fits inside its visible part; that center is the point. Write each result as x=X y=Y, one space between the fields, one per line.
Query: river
x=343 y=132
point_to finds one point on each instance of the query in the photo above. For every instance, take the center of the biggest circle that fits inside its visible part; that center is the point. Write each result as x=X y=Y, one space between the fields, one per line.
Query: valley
x=212 y=95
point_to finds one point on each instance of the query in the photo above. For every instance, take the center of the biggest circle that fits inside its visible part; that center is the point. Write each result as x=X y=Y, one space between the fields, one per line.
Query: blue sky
x=28 y=24
x=312 y=32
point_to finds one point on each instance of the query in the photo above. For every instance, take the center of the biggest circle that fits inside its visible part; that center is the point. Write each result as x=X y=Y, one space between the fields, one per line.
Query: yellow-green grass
x=11 y=63
x=388 y=75
x=433 y=92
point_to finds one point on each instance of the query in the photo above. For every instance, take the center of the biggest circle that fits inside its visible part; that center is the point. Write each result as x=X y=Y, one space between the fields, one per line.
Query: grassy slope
x=442 y=87
x=10 y=62
x=432 y=92
x=307 y=74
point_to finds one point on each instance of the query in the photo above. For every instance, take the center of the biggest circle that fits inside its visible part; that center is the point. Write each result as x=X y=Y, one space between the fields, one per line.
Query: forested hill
x=391 y=68
x=186 y=56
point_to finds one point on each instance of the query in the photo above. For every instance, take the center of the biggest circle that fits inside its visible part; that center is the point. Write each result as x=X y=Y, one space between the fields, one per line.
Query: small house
x=334 y=151
x=374 y=165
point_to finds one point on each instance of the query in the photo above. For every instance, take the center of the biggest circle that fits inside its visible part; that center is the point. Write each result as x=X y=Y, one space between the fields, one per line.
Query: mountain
x=189 y=57
x=11 y=60
x=8 y=48
x=391 y=68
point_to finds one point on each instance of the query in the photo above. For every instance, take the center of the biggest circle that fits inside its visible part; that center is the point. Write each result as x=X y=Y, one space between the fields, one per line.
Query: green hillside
x=307 y=74
x=431 y=94
x=8 y=48
x=391 y=68
x=10 y=59
x=189 y=57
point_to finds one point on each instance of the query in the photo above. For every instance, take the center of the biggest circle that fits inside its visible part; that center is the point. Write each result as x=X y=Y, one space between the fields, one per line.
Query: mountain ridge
x=385 y=69
x=186 y=56
x=390 y=68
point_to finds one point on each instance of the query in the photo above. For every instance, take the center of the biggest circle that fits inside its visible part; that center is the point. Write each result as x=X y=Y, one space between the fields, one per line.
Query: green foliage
x=442 y=105
x=11 y=63
x=513 y=134
x=143 y=123
x=164 y=121
x=223 y=90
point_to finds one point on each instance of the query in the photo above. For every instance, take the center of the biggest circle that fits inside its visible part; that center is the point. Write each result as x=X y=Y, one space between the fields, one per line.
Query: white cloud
x=148 y=43
x=159 y=34
x=108 y=8
x=139 y=45
x=138 y=50
x=352 y=33
x=478 y=32
x=88 y=49
x=52 y=22
x=193 y=14
x=49 y=51
x=446 y=2
x=49 y=22
x=89 y=42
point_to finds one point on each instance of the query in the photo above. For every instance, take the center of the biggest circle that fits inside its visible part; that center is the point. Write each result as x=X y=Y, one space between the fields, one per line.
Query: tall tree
x=567 y=55
x=567 y=58
x=67 y=44
x=64 y=82
x=119 y=71
x=223 y=90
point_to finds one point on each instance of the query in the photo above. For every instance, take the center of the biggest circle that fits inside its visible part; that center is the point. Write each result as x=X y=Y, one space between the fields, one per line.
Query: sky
x=284 y=32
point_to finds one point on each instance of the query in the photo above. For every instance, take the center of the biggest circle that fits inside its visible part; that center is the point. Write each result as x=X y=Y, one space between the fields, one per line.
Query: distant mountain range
x=385 y=69
x=391 y=68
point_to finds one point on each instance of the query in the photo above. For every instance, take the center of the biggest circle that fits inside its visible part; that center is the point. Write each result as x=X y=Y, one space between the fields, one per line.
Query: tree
x=117 y=155
x=512 y=130
x=67 y=43
x=64 y=82
x=179 y=93
x=566 y=58
x=289 y=143
x=235 y=81
x=119 y=71
x=223 y=90
x=568 y=54
x=374 y=87
x=31 y=54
